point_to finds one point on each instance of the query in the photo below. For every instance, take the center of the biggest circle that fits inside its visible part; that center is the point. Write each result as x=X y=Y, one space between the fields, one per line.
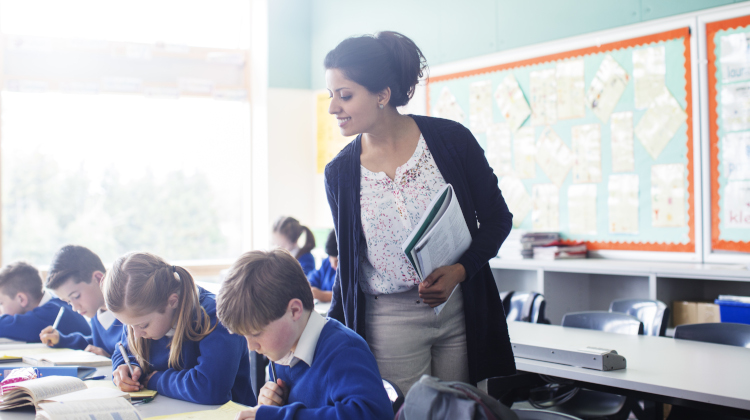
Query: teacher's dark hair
x=386 y=59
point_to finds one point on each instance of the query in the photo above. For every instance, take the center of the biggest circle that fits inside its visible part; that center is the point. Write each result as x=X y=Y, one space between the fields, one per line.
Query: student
x=324 y=370
x=175 y=343
x=321 y=280
x=26 y=308
x=75 y=275
x=286 y=233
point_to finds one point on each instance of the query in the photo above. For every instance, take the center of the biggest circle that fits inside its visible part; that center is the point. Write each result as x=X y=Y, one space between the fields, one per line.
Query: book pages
x=115 y=408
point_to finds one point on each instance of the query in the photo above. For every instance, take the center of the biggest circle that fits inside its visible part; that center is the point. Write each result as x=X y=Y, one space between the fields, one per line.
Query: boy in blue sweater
x=26 y=308
x=75 y=275
x=325 y=370
x=321 y=280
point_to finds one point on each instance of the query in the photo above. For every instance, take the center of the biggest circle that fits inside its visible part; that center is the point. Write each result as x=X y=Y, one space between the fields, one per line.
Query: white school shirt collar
x=46 y=297
x=294 y=251
x=308 y=341
x=106 y=318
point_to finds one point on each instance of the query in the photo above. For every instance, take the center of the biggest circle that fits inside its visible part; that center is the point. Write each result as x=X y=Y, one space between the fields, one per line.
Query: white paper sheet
x=480 y=106
x=545 y=213
x=512 y=103
x=735 y=57
x=518 y=200
x=570 y=90
x=735 y=107
x=668 y=195
x=649 y=69
x=621 y=129
x=587 y=152
x=524 y=149
x=499 y=153
x=735 y=156
x=447 y=107
x=736 y=205
x=606 y=88
x=582 y=209
x=623 y=203
x=543 y=88
x=660 y=123
x=553 y=156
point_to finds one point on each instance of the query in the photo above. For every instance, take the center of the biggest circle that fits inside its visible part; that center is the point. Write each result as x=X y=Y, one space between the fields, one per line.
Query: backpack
x=433 y=399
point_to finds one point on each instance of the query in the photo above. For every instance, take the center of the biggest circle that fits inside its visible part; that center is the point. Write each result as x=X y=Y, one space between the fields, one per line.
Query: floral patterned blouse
x=390 y=209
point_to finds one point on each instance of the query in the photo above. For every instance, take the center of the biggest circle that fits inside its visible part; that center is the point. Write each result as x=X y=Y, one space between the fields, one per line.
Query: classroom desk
x=660 y=369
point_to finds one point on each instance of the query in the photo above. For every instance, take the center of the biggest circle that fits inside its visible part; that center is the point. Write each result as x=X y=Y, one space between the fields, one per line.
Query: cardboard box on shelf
x=687 y=312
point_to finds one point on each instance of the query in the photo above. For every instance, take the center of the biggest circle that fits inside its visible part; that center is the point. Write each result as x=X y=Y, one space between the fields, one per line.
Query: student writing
x=26 y=308
x=173 y=339
x=324 y=370
x=286 y=233
x=75 y=275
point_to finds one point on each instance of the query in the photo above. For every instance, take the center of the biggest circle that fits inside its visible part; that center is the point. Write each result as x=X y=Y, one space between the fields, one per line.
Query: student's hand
x=321 y=295
x=96 y=350
x=49 y=336
x=121 y=378
x=274 y=393
x=247 y=414
x=437 y=287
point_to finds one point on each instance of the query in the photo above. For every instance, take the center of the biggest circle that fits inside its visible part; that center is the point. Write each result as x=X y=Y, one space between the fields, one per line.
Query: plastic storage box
x=733 y=311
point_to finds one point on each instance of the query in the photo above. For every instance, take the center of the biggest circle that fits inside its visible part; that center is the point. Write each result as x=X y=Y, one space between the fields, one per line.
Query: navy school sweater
x=307 y=261
x=343 y=382
x=105 y=338
x=323 y=278
x=214 y=370
x=26 y=327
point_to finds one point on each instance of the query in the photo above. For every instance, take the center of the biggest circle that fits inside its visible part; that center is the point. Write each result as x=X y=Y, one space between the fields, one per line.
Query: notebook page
x=227 y=411
x=90 y=394
x=94 y=410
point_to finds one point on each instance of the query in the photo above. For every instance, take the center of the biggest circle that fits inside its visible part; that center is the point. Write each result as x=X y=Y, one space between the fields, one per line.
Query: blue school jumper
x=26 y=327
x=324 y=277
x=214 y=370
x=105 y=338
x=342 y=383
x=307 y=261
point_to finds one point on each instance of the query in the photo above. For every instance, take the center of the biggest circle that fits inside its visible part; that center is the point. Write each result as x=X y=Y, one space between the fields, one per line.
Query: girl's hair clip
x=176 y=274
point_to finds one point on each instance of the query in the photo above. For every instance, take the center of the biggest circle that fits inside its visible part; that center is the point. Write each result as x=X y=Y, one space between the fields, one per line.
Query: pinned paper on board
x=480 y=106
x=518 y=200
x=571 y=86
x=587 y=153
x=668 y=195
x=447 y=107
x=660 y=123
x=736 y=204
x=621 y=132
x=524 y=149
x=623 y=203
x=543 y=88
x=649 y=70
x=499 y=153
x=329 y=139
x=553 y=156
x=735 y=57
x=545 y=213
x=582 y=209
x=735 y=107
x=606 y=88
x=512 y=103
x=735 y=156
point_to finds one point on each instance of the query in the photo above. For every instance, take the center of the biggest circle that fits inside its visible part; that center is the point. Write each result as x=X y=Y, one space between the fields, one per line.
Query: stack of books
x=559 y=251
x=531 y=240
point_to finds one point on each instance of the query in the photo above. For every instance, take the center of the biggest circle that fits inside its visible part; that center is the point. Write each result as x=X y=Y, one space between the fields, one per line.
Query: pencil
x=273 y=372
x=59 y=317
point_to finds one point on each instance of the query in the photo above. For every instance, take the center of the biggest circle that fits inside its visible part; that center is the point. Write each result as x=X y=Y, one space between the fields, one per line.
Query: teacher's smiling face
x=356 y=109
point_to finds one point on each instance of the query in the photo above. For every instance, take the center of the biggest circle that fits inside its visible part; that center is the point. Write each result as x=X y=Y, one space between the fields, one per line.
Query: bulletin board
x=729 y=132
x=596 y=143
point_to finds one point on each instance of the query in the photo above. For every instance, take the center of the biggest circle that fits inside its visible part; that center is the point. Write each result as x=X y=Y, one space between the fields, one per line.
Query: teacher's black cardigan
x=462 y=163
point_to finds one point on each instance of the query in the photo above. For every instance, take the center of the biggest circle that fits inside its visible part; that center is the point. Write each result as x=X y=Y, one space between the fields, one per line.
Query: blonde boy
x=325 y=370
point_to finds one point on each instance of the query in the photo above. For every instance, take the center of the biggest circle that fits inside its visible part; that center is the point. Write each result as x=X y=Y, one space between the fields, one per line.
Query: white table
x=665 y=369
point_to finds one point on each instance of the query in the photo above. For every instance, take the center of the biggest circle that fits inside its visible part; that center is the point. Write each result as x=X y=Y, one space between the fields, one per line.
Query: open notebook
x=116 y=408
x=134 y=396
x=67 y=358
x=227 y=411
x=55 y=389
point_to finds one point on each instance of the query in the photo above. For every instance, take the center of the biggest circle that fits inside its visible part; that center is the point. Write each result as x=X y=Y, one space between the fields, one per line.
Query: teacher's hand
x=437 y=287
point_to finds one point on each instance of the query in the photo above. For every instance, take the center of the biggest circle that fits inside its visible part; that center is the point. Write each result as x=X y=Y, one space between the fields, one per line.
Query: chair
x=394 y=394
x=611 y=322
x=526 y=307
x=653 y=313
x=529 y=414
x=718 y=333
x=505 y=298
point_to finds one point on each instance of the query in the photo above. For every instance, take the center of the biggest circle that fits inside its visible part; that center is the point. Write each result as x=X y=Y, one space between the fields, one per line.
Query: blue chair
x=525 y=307
x=718 y=333
x=529 y=414
x=611 y=322
x=653 y=313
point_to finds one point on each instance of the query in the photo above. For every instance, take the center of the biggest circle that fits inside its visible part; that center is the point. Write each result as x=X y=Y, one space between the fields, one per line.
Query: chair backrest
x=612 y=322
x=526 y=307
x=394 y=394
x=505 y=297
x=653 y=313
x=538 y=311
x=529 y=414
x=718 y=333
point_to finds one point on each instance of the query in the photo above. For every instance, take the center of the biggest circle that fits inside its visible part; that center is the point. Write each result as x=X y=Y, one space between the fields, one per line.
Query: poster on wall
x=329 y=140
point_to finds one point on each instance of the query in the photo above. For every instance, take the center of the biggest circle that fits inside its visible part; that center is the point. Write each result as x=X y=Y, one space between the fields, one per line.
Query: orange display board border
x=627 y=43
x=713 y=127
